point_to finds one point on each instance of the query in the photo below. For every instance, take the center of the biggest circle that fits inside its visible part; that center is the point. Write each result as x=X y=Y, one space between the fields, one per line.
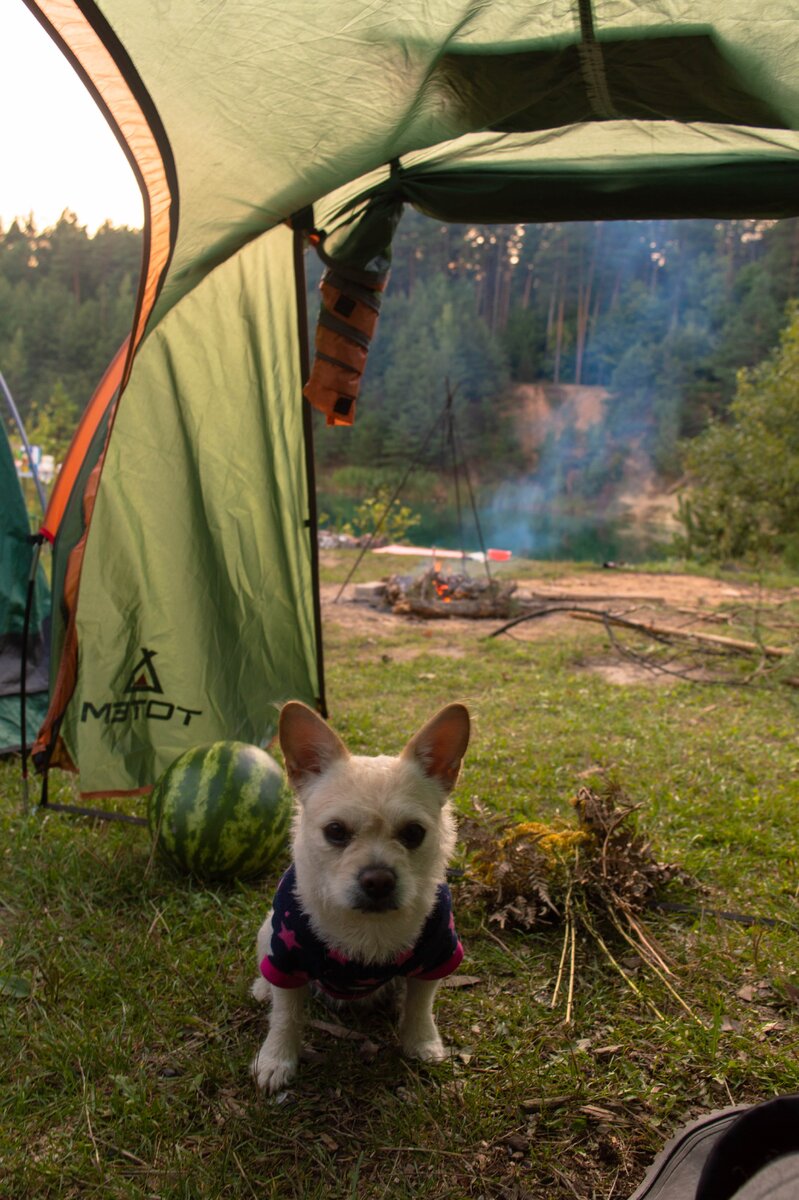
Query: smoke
x=592 y=454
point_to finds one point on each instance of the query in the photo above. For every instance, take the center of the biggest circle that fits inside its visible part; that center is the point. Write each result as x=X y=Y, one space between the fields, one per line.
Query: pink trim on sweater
x=446 y=968
x=280 y=979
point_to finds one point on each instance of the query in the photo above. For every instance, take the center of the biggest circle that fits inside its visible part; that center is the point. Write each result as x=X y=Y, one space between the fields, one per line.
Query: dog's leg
x=419 y=1037
x=261 y=988
x=276 y=1062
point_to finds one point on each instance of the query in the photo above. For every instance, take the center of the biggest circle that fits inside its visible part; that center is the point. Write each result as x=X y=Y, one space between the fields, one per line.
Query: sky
x=56 y=150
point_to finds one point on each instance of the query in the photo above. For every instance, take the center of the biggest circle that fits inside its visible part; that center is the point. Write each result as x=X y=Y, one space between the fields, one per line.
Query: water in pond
x=529 y=532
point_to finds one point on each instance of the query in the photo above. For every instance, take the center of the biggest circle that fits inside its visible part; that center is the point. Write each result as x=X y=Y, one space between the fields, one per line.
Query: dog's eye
x=412 y=835
x=337 y=834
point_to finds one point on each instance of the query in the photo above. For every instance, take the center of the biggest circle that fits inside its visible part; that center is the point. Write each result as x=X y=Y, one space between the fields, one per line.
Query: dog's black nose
x=377 y=883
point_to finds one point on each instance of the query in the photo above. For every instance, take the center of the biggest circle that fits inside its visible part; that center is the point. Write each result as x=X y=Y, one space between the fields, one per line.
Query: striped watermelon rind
x=221 y=812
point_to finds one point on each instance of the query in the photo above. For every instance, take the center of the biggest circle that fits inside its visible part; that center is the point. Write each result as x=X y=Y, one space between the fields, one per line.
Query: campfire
x=435 y=595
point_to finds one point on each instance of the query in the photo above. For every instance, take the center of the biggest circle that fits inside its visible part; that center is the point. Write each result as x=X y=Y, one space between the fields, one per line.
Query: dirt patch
x=365 y=619
x=683 y=595
x=627 y=674
x=677 y=603
x=676 y=591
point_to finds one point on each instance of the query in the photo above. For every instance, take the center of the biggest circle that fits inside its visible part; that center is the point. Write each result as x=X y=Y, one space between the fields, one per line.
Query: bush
x=373 y=515
x=744 y=499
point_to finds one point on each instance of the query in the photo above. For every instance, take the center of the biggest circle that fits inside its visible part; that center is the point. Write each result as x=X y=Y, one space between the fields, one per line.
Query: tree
x=55 y=423
x=744 y=502
x=66 y=303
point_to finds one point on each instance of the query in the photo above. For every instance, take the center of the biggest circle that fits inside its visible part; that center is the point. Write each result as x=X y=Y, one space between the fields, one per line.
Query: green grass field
x=127 y=1025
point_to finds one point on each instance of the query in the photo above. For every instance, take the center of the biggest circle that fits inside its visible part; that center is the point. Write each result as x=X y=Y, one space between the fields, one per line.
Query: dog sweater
x=297 y=956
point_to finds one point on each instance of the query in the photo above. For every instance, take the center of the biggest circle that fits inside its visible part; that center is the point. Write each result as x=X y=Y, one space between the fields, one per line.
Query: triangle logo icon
x=143 y=677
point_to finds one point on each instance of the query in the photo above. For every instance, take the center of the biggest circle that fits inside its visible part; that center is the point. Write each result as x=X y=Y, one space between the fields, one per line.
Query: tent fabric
x=270 y=106
x=543 y=177
x=16 y=557
x=65 y=526
x=94 y=417
x=244 y=118
x=196 y=562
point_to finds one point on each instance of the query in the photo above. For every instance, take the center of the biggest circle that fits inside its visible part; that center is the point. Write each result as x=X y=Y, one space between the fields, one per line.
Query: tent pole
x=77 y=810
x=312 y=522
x=440 y=419
x=18 y=421
x=467 y=477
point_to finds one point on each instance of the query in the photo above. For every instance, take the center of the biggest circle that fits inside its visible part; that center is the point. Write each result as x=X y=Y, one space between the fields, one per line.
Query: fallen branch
x=545 y=611
x=657 y=631
x=663 y=631
x=591 y=597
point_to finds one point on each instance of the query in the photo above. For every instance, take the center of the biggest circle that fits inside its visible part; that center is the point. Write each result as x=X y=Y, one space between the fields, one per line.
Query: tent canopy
x=251 y=125
x=251 y=112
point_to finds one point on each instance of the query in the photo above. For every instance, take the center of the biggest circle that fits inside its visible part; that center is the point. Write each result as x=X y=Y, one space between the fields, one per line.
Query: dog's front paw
x=271 y=1072
x=428 y=1046
x=260 y=990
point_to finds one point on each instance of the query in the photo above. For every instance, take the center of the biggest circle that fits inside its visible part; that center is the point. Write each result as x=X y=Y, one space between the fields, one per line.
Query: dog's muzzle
x=377 y=889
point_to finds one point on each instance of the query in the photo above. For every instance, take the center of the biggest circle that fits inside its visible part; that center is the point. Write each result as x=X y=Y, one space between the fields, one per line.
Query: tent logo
x=143 y=689
x=143 y=677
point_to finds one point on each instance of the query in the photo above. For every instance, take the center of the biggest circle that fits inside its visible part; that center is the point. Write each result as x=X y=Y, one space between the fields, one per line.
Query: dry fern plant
x=595 y=877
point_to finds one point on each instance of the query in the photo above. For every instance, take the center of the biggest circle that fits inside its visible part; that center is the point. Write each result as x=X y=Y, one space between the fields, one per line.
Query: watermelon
x=220 y=812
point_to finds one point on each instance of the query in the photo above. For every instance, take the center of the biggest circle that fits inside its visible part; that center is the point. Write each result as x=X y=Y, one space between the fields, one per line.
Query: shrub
x=744 y=498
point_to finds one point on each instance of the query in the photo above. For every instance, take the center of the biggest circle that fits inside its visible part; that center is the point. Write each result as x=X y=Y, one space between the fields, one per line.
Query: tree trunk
x=559 y=335
x=528 y=287
x=584 y=302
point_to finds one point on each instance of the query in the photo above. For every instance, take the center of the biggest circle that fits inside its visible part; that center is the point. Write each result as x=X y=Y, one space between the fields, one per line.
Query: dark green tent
x=184 y=522
x=16 y=556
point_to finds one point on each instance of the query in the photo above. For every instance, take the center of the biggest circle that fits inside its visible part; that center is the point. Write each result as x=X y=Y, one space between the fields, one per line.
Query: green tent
x=183 y=524
x=16 y=559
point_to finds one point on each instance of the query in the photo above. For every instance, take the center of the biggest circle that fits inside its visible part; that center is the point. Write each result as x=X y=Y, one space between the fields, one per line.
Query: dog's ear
x=440 y=745
x=308 y=743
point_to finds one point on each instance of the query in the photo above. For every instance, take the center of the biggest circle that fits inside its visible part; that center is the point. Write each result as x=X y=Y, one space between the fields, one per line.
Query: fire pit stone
x=370 y=593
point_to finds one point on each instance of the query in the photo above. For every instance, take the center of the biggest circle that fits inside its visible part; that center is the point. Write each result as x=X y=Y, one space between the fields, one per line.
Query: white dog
x=365 y=899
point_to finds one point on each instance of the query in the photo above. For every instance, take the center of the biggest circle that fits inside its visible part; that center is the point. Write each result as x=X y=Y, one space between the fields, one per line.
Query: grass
x=126 y=1025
